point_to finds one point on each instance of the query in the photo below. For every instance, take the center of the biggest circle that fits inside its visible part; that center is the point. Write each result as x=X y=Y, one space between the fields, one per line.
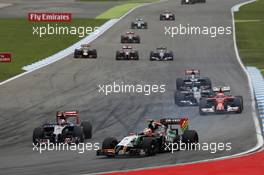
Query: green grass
x=121 y=9
x=250 y=34
x=117 y=11
x=17 y=38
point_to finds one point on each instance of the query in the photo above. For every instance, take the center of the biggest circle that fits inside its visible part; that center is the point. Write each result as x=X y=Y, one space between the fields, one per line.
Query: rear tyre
x=207 y=82
x=37 y=135
x=87 y=129
x=171 y=55
x=132 y=25
x=190 y=138
x=94 y=53
x=138 y=40
x=136 y=56
x=151 y=55
x=76 y=54
x=146 y=25
x=117 y=55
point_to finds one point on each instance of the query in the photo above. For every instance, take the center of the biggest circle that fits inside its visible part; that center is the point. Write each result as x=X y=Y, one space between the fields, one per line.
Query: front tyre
x=87 y=129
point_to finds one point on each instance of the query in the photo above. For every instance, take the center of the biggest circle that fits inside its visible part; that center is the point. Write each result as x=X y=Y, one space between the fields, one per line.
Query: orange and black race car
x=221 y=102
x=158 y=137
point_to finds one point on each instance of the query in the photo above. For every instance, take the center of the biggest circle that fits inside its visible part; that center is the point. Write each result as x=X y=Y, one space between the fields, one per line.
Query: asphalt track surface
x=20 y=8
x=72 y=84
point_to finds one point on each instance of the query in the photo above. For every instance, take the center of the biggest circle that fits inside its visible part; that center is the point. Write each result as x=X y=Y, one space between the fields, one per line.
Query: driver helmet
x=147 y=132
x=62 y=122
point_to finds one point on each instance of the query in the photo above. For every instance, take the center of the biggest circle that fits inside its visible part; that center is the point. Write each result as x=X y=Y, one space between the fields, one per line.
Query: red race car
x=221 y=102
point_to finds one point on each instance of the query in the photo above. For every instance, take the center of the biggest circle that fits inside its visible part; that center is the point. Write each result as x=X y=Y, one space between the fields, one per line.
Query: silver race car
x=191 y=88
x=139 y=24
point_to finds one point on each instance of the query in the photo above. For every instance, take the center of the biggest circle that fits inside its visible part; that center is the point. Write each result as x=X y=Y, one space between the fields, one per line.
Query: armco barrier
x=258 y=85
x=70 y=49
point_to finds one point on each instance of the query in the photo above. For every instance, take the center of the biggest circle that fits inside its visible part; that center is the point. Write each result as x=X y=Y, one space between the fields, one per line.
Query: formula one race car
x=160 y=136
x=192 y=1
x=161 y=54
x=191 y=96
x=130 y=37
x=221 y=103
x=139 y=24
x=192 y=88
x=85 y=52
x=67 y=129
x=127 y=53
x=193 y=79
x=169 y=16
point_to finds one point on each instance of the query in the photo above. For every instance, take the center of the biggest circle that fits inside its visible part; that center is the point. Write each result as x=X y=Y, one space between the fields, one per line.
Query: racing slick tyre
x=122 y=39
x=136 y=55
x=238 y=101
x=207 y=82
x=179 y=83
x=78 y=133
x=178 y=97
x=37 y=135
x=171 y=55
x=109 y=143
x=149 y=145
x=190 y=137
x=94 y=53
x=137 y=40
x=87 y=129
x=77 y=53
x=145 y=25
x=202 y=104
x=151 y=55
x=117 y=55
x=132 y=25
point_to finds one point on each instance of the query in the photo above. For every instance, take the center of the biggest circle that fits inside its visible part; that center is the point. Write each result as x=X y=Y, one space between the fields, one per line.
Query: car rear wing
x=127 y=47
x=161 y=48
x=222 y=89
x=182 y=122
x=85 y=45
x=192 y=72
x=67 y=114
x=130 y=33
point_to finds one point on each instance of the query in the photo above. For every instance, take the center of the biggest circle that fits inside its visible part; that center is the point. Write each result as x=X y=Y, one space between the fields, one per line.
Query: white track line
x=3 y=5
